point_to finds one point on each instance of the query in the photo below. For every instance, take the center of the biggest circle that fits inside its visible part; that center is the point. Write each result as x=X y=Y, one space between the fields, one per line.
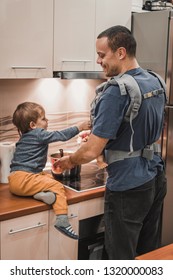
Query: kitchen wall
x=66 y=102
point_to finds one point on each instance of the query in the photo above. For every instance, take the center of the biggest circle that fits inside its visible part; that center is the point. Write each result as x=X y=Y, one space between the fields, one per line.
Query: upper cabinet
x=26 y=29
x=76 y=26
x=39 y=37
x=110 y=13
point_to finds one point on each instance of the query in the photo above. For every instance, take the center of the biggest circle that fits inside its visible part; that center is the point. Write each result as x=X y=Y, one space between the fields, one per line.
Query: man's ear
x=121 y=52
x=32 y=125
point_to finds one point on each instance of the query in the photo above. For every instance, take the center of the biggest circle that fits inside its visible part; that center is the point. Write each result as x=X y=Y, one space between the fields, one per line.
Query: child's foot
x=46 y=197
x=67 y=231
x=100 y=162
x=101 y=165
x=62 y=224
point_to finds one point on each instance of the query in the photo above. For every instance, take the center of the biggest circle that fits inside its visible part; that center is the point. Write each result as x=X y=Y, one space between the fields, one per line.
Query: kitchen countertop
x=12 y=206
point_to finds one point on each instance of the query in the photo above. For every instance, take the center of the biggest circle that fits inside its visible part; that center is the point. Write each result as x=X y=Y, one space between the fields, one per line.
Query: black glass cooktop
x=91 y=177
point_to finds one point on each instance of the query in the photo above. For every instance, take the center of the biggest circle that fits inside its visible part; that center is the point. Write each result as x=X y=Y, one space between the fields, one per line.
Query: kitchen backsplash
x=66 y=102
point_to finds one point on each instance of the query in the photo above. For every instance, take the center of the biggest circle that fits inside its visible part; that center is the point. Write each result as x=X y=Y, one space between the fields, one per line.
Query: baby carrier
x=128 y=85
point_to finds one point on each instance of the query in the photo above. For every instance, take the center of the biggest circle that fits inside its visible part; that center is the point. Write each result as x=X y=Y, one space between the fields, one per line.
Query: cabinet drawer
x=90 y=208
x=25 y=237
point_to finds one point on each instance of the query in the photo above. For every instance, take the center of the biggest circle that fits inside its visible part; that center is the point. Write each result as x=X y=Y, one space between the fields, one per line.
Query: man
x=136 y=184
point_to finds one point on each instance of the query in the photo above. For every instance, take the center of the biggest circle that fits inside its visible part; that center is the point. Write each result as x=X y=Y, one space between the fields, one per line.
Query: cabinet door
x=74 y=41
x=25 y=238
x=62 y=247
x=26 y=47
x=91 y=208
x=110 y=13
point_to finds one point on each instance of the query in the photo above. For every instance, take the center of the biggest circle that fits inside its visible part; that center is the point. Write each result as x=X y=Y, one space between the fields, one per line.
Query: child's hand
x=84 y=125
x=83 y=136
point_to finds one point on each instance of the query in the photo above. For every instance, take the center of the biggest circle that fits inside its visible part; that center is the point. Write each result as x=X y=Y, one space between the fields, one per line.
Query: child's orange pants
x=28 y=184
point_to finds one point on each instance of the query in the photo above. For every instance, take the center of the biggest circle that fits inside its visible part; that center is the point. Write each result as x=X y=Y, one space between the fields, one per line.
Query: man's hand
x=63 y=163
x=86 y=153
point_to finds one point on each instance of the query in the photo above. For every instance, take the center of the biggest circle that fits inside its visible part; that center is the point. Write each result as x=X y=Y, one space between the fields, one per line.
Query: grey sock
x=62 y=221
x=46 y=197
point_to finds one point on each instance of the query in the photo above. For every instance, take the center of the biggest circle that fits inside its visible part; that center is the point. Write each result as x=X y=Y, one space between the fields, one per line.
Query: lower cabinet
x=25 y=238
x=62 y=247
x=91 y=208
x=34 y=237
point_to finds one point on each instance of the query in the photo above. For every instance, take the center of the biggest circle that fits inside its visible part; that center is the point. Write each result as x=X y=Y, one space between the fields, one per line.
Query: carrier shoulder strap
x=161 y=80
x=128 y=85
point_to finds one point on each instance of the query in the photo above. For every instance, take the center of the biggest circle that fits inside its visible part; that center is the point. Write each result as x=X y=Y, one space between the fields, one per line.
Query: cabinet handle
x=27 y=228
x=28 y=67
x=75 y=60
x=72 y=216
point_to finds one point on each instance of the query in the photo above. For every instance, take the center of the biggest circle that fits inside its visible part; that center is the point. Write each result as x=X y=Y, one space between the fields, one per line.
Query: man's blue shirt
x=109 y=123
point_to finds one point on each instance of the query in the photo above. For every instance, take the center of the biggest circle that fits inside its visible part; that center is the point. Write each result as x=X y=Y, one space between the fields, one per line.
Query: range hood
x=79 y=75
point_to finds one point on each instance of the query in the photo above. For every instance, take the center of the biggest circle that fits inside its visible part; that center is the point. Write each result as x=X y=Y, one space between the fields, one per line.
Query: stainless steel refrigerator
x=154 y=35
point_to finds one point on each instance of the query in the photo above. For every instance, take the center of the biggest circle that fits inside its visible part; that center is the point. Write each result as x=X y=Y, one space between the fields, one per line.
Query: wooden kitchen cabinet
x=34 y=236
x=110 y=13
x=91 y=208
x=76 y=26
x=25 y=238
x=26 y=47
x=40 y=36
x=62 y=247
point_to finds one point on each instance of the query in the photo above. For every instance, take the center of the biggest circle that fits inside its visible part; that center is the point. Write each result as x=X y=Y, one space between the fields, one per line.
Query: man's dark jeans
x=133 y=219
